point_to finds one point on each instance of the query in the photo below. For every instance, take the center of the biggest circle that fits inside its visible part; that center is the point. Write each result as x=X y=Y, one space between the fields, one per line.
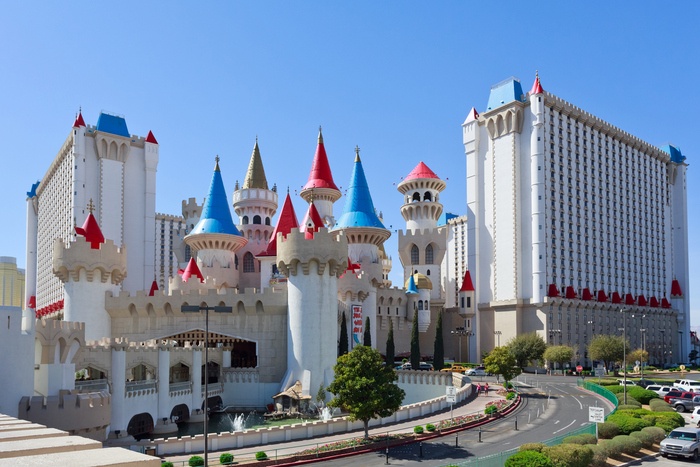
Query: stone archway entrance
x=244 y=353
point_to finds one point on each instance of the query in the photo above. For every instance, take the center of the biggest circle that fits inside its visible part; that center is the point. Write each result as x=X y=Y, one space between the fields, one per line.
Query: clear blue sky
x=395 y=78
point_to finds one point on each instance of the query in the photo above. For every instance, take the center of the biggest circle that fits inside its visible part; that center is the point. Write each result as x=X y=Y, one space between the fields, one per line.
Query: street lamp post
x=459 y=332
x=206 y=309
x=624 y=352
x=552 y=332
x=498 y=334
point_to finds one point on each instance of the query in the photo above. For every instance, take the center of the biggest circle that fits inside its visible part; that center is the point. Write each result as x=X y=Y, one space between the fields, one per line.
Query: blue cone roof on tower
x=411 y=289
x=359 y=208
x=216 y=215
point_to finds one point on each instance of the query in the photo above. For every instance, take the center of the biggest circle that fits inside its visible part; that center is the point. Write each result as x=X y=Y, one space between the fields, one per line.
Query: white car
x=660 y=390
x=695 y=417
x=626 y=382
x=478 y=371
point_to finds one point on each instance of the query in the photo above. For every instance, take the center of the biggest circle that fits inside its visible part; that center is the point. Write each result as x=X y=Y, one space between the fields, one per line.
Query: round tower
x=88 y=268
x=255 y=205
x=418 y=288
x=320 y=188
x=269 y=274
x=215 y=239
x=312 y=267
x=537 y=190
x=421 y=189
x=365 y=234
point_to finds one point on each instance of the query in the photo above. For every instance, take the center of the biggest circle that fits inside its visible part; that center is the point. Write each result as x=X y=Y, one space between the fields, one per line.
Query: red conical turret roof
x=154 y=287
x=320 y=176
x=91 y=230
x=473 y=115
x=312 y=222
x=676 y=289
x=150 y=138
x=79 y=120
x=536 y=86
x=286 y=222
x=192 y=270
x=421 y=171
x=467 y=284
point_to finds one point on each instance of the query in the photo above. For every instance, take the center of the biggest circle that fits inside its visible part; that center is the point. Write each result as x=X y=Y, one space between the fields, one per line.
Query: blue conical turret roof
x=216 y=215
x=359 y=208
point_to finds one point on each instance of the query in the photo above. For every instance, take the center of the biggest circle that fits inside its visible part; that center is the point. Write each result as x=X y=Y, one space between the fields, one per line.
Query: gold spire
x=255 y=176
x=91 y=206
x=320 y=135
x=357 y=153
x=216 y=168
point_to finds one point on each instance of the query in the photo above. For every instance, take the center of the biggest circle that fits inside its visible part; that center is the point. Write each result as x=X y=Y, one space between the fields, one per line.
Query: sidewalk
x=474 y=404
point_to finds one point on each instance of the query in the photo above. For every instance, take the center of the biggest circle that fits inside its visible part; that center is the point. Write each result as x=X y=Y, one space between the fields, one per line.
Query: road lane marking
x=564 y=428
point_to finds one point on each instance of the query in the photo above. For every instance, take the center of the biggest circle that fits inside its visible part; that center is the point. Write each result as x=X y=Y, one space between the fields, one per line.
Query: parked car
x=478 y=371
x=455 y=369
x=695 y=417
x=673 y=393
x=682 y=442
x=626 y=382
x=645 y=382
x=423 y=366
x=659 y=389
x=686 y=401
x=689 y=385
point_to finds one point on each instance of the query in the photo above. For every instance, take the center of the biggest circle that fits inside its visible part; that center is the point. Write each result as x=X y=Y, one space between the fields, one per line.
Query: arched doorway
x=140 y=424
x=180 y=413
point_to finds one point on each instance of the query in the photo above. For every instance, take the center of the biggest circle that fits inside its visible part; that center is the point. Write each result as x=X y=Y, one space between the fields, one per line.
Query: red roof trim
x=536 y=86
x=641 y=301
x=653 y=302
x=150 y=138
x=665 y=303
x=629 y=299
x=312 y=222
x=601 y=296
x=285 y=223
x=616 y=298
x=586 y=294
x=570 y=292
x=79 y=120
x=552 y=291
x=91 y=231
x=467 y=284
x=154 y=287
x=320 y=175
x=192 y=270
x=676 y=289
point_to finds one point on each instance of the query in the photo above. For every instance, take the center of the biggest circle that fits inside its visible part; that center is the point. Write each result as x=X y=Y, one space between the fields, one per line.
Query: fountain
x=326 y=414
x=239 y=423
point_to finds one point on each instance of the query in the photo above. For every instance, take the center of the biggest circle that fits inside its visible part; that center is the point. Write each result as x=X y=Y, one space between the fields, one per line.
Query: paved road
x=552 y=406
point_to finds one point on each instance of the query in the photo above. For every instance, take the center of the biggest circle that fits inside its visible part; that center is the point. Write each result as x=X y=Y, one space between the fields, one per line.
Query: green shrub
x=536 y=446
x=585 y=438
x=627 y=423
x=600 y=455
x=627 y=407
x=418 y=430
x=569 y=455
x=660 y=405
x=430 y=427
x=226 y=458
x=657 y=433
x=642 y=395
x=510 y=396
x=528 y=459
x=630 y=400
x=612 y=448
x=261 y=456
x=669 y=420
x=166 y=464
x=196 y=461
x=629 y=445
x=647 y=439
x=491 y=409
x=508 y=385
x=608 y=430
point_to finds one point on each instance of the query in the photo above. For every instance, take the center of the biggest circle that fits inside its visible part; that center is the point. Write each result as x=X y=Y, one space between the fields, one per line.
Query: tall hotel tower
x=575 y=228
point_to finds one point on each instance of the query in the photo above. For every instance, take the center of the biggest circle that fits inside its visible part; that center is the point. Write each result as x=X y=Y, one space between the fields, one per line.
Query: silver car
x=478 y=371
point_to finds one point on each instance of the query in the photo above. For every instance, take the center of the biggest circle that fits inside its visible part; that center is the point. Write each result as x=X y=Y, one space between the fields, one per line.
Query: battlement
x=328 y=249
x=71 y=411
x=151 y=345
x=56 y=325
x=418 y=233
x=69 y=259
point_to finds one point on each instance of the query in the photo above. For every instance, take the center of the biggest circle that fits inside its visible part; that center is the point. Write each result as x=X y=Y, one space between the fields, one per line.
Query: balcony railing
x=91 y=385
x=181 y=386
x=132 y=386
x=214 y=387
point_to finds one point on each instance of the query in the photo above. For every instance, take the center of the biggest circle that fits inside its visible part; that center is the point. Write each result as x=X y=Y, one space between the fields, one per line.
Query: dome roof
x=421 y=280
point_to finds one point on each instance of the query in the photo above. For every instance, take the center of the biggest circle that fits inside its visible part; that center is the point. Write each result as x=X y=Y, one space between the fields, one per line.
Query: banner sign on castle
x=357 y=324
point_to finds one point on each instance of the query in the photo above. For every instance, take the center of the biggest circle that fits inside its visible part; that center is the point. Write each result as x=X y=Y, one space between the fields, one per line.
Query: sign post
x=451 y=397
x=596 y=415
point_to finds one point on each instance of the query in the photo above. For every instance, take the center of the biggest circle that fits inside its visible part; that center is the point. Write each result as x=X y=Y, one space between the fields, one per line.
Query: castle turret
x=88 y=269
x=255 y=206
x=215 y=239
x=29 y=311
x=365 y=233
x=537 y=191
x=287 y=221
x=418 y=288
x=312 y=267
x=320 y=188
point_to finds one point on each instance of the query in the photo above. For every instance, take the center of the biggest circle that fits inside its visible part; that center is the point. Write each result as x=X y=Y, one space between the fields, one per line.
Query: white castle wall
x=17 y=362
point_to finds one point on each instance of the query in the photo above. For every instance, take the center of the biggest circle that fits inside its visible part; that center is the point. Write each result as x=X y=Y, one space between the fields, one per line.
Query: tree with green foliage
x=500 y=361
x=343 y=339
x=527 y=348
x=439 y=347
x=367 y=337
x=607 y=348
x=364 y=386
x=415 y=343
x=559 y=354
x=390 y=348
x=638 y=355
x=321 y=396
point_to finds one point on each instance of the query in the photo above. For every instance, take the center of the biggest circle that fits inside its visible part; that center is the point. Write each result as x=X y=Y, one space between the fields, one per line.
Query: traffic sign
x=596 y=414
x=579 y=368
x=451 y=394
x=600 y=372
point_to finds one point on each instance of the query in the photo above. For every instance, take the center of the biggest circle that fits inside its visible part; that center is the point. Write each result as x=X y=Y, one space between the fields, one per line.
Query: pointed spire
x=359 y=209
x=285 y=223
x=320 y=175
x=154 y=287
x=411 y=289
x=421 y=171
x=216 y=215
x=150 y=138
x=91 y=229
x=79 y=119
x=473 y=115
x=255 y=176
x=312 y=222
x=467 y=284
x=536 y=86
x=192 y=270
x=676 y=289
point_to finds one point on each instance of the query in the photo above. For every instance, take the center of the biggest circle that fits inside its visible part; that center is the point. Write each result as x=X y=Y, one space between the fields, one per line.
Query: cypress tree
x=415 y=344
x=367 y=337
x=343 y=340
x=439 y=349
x=390 y=350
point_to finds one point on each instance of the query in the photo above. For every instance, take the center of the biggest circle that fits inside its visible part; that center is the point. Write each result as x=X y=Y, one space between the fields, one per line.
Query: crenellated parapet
x=67 y=336
x=106 y=264
x=328 y=250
